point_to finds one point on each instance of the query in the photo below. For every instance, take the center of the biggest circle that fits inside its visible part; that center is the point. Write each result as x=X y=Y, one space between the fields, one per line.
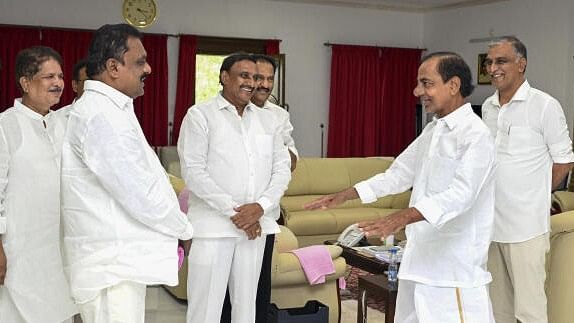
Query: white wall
x=545 y=27
x=302 y=27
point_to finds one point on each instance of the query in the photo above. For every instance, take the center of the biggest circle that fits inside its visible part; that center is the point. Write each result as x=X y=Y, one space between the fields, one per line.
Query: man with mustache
x=265 y=78
x=534 y=153
x=450 y=168
x=121 y=217
x=33 y=287
x=236 y=167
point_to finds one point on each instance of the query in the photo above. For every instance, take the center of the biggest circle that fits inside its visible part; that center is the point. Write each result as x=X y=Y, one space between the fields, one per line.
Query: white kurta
x=120 y=215
x=531 y=134
x=229 y=160
x=450 y=167
x=30 y=216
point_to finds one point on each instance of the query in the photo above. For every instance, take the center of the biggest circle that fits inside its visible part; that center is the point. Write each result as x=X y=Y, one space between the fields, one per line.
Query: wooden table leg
x=362 y=305
x=390 y=303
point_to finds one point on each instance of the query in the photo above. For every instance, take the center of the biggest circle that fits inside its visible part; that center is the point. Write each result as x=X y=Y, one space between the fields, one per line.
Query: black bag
x=312 y=312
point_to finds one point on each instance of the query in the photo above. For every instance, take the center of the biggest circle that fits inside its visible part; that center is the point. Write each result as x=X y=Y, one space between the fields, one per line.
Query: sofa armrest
x=562 y=223
x=290 y=272
x=287 y=261
x=285 y=240
x=563 y=201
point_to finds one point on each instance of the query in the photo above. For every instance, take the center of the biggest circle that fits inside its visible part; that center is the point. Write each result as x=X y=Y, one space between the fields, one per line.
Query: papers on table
x=382 y=253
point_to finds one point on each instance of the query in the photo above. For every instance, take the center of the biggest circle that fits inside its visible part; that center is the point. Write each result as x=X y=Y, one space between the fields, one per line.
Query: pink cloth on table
x=316 y=263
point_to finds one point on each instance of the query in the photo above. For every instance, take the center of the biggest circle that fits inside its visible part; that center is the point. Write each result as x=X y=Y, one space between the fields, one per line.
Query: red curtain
x=272 y=47
x=12 y=40
x=185 y=94
x=372 y=108
x=72 y=45
x=151 y=108
x=397 y=114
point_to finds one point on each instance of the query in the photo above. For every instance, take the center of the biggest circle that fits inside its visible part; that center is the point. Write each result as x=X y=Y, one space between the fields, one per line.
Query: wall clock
x=139 y=13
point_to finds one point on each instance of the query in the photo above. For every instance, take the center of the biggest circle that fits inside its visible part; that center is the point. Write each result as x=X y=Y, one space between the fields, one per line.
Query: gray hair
x=517 y=45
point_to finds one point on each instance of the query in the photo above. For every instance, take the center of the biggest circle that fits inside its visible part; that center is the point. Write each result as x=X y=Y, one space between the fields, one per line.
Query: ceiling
x=398 y=5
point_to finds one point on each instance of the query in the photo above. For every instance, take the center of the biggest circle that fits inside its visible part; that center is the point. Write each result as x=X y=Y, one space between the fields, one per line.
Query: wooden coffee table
x=380 y=286
x=376 y=284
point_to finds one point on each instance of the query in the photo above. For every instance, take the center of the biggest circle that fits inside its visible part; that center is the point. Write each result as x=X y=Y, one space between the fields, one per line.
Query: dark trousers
x=263 y=289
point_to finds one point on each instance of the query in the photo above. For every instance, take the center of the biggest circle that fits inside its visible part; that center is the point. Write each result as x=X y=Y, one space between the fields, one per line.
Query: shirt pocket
x=264 y=145
x=441 y=173
x=520 y=140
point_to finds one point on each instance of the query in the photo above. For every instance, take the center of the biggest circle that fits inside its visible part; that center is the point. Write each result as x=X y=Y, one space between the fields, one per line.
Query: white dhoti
x=215 y=263
x=428 y=304
x=121 y=303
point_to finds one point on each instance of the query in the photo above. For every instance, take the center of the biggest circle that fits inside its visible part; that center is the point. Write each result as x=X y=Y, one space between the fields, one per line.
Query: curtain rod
x=328 y=44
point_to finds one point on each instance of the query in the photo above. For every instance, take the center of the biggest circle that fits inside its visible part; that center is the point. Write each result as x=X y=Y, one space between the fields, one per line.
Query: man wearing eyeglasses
x=534 y=154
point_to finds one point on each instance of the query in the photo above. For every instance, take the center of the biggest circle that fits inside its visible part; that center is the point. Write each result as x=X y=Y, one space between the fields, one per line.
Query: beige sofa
x=560 y=261
x=315 y=177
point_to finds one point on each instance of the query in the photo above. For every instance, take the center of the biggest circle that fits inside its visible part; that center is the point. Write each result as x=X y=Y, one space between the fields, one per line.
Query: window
x=210 y=54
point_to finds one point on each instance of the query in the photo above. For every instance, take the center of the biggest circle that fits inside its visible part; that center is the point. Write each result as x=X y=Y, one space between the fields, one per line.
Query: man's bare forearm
x=559 y=172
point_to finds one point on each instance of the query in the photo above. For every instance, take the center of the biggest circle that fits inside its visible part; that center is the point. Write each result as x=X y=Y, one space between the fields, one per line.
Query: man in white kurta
x=120 y=214
x=266 y=67
x=35 y=289
x=236 y=166
x=534 y=154
x=450 y=168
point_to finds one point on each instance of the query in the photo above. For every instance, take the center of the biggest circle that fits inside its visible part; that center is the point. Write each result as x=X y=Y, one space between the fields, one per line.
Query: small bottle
x=393 y=268
x=390 y=240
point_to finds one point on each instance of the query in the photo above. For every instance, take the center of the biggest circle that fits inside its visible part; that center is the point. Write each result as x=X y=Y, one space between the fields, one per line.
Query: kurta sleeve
x=555 y=132
x=117 y=159
x=286 y=133
x=192 y=147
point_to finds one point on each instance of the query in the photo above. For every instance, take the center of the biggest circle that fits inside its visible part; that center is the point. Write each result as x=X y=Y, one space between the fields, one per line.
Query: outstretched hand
x=391 y=223
x=332 y=200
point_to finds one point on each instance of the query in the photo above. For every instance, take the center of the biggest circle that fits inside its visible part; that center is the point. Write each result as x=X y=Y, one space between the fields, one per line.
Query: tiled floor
x=162 y=308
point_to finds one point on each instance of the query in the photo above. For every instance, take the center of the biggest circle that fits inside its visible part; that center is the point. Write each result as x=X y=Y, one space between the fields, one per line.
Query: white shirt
x=229 y=160
x=450 y=167
x=281 y=117
x=64 y=112
x=30 y=214
x=531 y=134
x=121 y=216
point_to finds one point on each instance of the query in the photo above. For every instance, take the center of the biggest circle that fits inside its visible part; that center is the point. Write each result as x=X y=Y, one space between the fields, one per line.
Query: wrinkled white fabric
x=531 y=134
x=450 y=167
x=121 y=216
x=35 y=284
x=229 y=160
